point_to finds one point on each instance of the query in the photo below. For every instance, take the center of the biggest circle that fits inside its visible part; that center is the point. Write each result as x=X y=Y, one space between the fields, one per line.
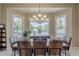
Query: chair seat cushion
x=65 y=45
x=14 y=46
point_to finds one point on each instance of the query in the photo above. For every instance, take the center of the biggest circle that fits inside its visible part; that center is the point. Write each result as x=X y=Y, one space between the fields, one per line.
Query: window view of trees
x=60 y=26
x=38 y=29
x=17 y=26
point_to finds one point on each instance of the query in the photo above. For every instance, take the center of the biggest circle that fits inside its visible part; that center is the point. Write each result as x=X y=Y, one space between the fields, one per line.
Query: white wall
x=0 y=13
x=77 y=16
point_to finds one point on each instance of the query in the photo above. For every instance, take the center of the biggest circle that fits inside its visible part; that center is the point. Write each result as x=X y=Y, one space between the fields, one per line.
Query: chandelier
x=39 y=17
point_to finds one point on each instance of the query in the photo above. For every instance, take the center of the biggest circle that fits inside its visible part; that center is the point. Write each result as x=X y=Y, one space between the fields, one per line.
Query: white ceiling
x=36 y=10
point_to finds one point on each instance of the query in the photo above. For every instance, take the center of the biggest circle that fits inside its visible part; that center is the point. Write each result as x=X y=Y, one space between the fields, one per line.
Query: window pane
x=17 y=26
x=38 y=29
x=60 y=26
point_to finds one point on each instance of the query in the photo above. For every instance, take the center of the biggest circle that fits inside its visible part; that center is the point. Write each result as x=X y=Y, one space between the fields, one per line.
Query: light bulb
x=39 y=15
x=34 y=16
x=44 y=16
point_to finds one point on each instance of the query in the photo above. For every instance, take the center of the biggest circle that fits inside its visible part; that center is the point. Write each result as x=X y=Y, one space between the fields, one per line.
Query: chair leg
x=65 y=52
x=15 y=52
x=59 y=52
x=45 y=51
x=68 y=53
x=12 y=53
x=49 y=52
x=62 y=51
x=30 y=52
x=34 y=52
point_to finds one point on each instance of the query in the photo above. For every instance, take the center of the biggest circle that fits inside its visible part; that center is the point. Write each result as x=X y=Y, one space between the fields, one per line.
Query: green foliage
x=18 y=26
x=60 y=25
x=39 y=28
x=26 y=33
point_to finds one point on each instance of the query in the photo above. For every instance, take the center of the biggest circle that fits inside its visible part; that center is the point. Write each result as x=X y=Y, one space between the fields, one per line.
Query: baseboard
x=74 y=48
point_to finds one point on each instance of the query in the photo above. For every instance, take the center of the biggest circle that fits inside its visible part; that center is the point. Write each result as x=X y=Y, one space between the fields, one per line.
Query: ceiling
x=36 y=10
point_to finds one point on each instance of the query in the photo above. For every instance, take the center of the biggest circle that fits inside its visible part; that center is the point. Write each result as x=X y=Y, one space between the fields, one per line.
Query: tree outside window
x=38 y=29
x=60 y=26
x=17 y=26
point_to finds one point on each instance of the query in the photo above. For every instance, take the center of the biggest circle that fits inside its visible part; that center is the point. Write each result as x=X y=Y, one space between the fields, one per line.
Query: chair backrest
x=24 y=48
x=39 y=43
x=54 y=47
x=69 y=42
x=12 y=41
x=55 y=44
x=39 y=47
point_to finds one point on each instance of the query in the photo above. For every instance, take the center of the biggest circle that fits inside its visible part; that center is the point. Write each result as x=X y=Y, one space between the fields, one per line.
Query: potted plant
x=26 y=34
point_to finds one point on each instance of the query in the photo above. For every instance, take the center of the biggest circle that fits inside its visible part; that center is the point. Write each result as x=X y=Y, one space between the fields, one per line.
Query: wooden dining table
x=33 y=37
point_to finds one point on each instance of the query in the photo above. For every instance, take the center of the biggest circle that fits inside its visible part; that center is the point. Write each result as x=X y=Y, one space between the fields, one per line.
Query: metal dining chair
x=66 y=46
x=13 y=46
